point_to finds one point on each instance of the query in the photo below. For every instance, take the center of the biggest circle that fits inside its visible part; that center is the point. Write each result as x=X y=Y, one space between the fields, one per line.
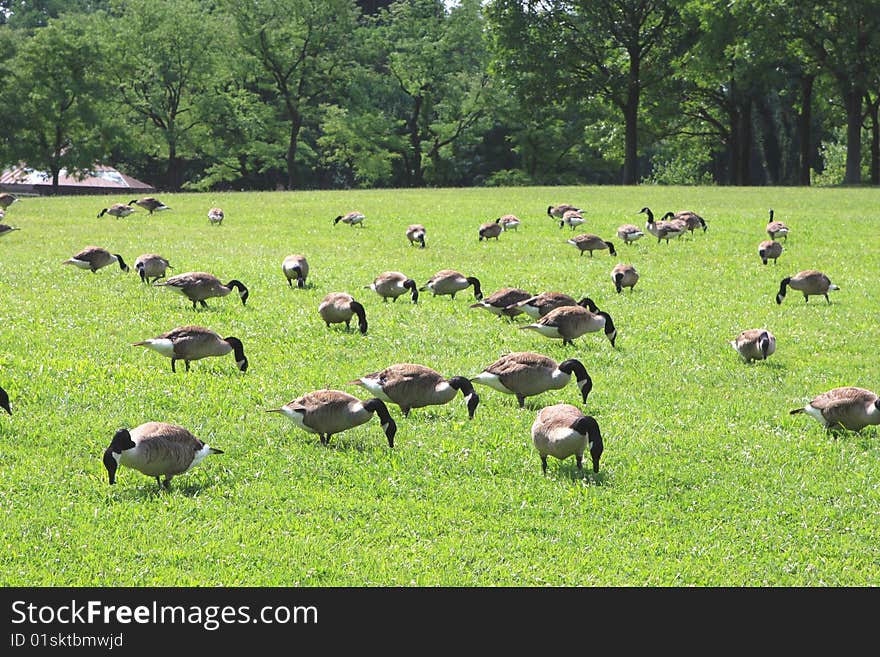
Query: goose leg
x=173 y=369
x=544 y=464
x=521 y=399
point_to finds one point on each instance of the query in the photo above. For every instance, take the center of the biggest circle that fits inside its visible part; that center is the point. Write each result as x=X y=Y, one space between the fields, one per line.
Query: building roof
x=101 y=178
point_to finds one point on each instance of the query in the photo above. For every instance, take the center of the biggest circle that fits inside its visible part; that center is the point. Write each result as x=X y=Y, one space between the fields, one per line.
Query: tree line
x=296 y=94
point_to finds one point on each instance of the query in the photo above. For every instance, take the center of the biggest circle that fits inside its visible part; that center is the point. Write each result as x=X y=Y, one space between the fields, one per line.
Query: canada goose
x=351 y=218
x=295 y=266
x=6 y=229
x=691 y=219
x=491 y=229
x=7 y=199
x=769 y=249
x=541 y=304
x=847 y=407
x=810 y=282
x=559 y=210
x=570 y=322
x=509 y=221
x=189 y=343
x=392 y=284
x=562 y=430
x=414 y=386
x=155 y=449
x=571 y=219
x=215 y=216
x=669 y=223
x=776 y=228
x=151 y=265
x=199 y=285
x=662 y=230
x=94 y=257
x=416 y=233
x=328 y=412
x=4 y=401
x=149 y=204
x=118 y=210
x=590 y=242
x=754 y=344
x=624 y=275
x=339 y=307
x=526 y=374
x=629 y=233
x=503 y=302
x=449 y=281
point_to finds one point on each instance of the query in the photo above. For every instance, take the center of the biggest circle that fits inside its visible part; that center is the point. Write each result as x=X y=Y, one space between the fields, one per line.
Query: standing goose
x=629 y=233
x=4 y=401
x=776 y=229
x=541 y=304
x=769 y=250
x=503 y=302
x=118 y=210
x=416 y=233
x=489 y=230
x=848 y=408
x=5 y=229
x=754 y=344
x=558 y=211
x=149 y=204
x=339 y=307
x=414 y=386
x=590 y=242
x=351 y=218
x=570 y=322
x=624 y=275
x=810 y=282
x=151 y=265
x=571 y=219
x=215 y=216
x=509 y=221
x=7 y=199
x=295 y=266
x=328 y=412
x=94 y=257
x=691 y=219
x=392 y=284
x=526 y=374
x=449 y=281
x=155 y=449
x=563 y=430
x=199 y=285
x=189 y=343
x=662 y=230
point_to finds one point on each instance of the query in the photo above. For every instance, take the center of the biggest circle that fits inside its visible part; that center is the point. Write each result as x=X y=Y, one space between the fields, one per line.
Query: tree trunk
x=173 y=174
x=853 y=102
x=631 y=118
x=742 y=175
x=295 y=127
x=415 y=140
x=804 y=125
x=874 y=112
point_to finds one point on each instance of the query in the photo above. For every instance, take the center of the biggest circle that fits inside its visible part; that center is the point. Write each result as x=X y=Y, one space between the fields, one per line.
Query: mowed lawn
x=706 y=479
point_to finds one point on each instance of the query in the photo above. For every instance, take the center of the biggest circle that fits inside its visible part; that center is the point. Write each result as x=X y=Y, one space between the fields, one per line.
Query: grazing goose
x=155 y=449
x=776 y=228
x=570 y=322
x=541 y=304
x=328 y=412
x=590 y=242
x=295 y=266
x=416 y=233
x=118 y=210
x=199 y=285
x=562 y=430
x=491 y=229
x=94 y=257
x=559 y=211
x=392 y=284
x=215 y=216
x=769 y=250
x=810 y=282
x=414 y=386
x=503 y=302
x=449 y=281
x=189 y=343
x=624 y=275
x=754 y=344
x=629 y=233
x=149 y=204
x=339 y=307
x=509 y=221
x=7 y=199
x=571 y=219
x=4 y=401
x=151 y=265
x=351 y=218
x=662 y=230
x=5 y=229
x=691 y=219
x=848 y=408
x=526 y=374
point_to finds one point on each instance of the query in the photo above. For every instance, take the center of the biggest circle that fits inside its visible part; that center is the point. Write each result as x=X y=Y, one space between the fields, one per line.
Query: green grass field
x=706 y=479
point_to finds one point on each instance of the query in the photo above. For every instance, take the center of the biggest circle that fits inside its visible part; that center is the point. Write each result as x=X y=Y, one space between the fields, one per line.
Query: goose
x=5 y=229
x=94 y=257
x=151 y=265
x=629 y=233
x=810 y=282
x=449 y=281
x=351 y=218
x=590 y=242
x=562 y=430
x=189 y=343
x=776 y=228
x=4 y=401
x=491 y=229
x=526 y=374
x=199 y=285
x=416 y=233
x=559 y=210
x=571 y=219
x=295 y=266
x=215 y=216
x=155 y=449
x=624 y=275
x=847 y=407
x=669 y=223
x=691 y=219
x=149 y=204
x=503 y=302
x=509 y=221
x=541 y=304
x=662 y=230
x=392 y=284
x=339 y=307
x=754 y=344
x=7 y=199
x=769 y=250
x=570 y=322
x=118 y=210
x=414 y=386
x=328 y=412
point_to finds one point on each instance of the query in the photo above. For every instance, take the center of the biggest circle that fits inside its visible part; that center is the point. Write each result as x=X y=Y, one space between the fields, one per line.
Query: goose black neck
x=238 y=351
x=764 y=344
x=122 y=265
x=377 y=406
x=588 y=303
x=588 y=427
x=4 y=401
x=668 y=215
x=140 y=268
x=609 y=324
x=410 y=285
x=478 y=292
x=618 y=280
x=549 y=210
x=574 y=366
x=650 y=214
x=358 y=310
x=611 y=248
x=467 y=391
x=782 y=285
x=242 y=290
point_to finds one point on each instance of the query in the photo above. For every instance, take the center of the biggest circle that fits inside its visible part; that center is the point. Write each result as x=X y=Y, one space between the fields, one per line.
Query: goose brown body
x=590 y=242
x=563 y=430
x=848 y=407
x=541 y=304
x=415 y=233
x=351 y=218
x=559 y=210
x=509 y=221
x=629 y=233
x=5 y=229
x=189 y=343
x=215 y=216
x=95 y=257
x=570 y=322
x=571 y=218
x=776 y=229
x=118 y=210
x=393 y=284
x=526 y=374
x=150 y=204
x=339 y=308
x=769 y=250
x=295 y=267
x=151 y=266
x=449 y=281
x=809 y=282
x=199 y=285
x=754 y=344
x=489 y=230
x=624 y=275
x=503 y=302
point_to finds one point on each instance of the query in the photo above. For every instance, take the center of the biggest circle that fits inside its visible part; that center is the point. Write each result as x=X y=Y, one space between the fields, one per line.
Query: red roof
x=100 y=176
